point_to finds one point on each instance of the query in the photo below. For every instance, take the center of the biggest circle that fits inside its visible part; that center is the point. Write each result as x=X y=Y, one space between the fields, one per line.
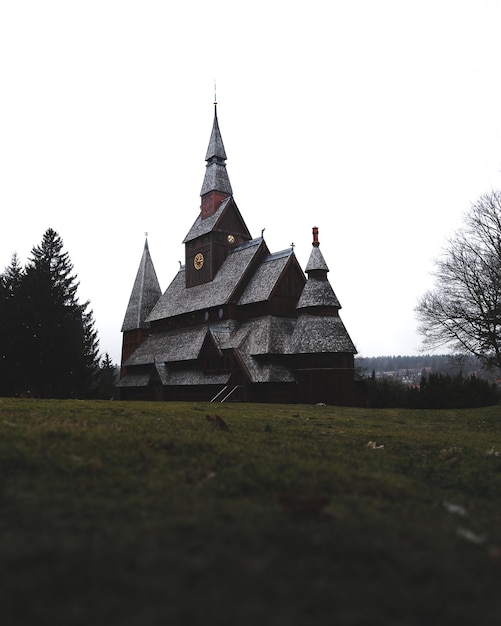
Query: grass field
x=147 y=513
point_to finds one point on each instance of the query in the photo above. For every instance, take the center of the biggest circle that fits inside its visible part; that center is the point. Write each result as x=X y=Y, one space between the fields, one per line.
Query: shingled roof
x=251 y=340
x=265 y=277
x=316 y=262
x=179 y=345
x=203 y=226
x=263 y=335
x=317 y=291
x=145 y=294
x=216 y=176
x=317 y=334
x=179 y=299
x=250 y=322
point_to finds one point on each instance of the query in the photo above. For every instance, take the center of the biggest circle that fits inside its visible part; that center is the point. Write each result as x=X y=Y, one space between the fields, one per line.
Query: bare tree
x=463 y=312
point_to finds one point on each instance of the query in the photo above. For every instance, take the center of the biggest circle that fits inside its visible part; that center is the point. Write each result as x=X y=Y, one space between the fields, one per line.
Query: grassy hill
x=149 y=513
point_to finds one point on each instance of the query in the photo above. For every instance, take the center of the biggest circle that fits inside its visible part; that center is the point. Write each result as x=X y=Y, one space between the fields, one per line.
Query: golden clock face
x=198 y=261
x=231 y=239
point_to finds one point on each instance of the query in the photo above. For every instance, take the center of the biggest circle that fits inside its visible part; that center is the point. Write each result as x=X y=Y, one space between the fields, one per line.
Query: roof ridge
x=247 y=244
x=278 y=255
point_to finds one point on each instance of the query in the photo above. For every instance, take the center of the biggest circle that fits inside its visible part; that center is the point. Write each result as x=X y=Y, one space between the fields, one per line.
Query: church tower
x=320 y=340
x=216 y=186
x=219 y=228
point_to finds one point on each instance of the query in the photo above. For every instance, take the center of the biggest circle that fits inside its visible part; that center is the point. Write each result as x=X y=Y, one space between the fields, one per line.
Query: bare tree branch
x=463 y=312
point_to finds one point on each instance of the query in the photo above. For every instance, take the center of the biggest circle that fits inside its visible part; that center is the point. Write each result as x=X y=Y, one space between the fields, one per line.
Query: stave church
x=238 y=323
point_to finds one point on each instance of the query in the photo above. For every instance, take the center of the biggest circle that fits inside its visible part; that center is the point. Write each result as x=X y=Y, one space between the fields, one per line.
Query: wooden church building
x=237 y=323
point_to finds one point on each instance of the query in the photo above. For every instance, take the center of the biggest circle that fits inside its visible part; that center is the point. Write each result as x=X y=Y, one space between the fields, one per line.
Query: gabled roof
x=208 y=224
x=265 y=372
x=251 y=340
x=178 y=299
x=255 y=337
x=145 y=293
x=266 y=277
x=203 y=226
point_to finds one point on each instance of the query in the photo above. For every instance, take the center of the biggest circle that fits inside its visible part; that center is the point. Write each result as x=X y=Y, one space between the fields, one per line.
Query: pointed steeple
x=216 y=185
x=317 y=291
x=319 y=328
x=145 y=294
x=316 y=262
x=216 y=146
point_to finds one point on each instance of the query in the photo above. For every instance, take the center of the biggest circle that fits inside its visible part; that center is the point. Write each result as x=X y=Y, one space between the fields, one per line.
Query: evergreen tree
x=55 y=333
x=12 y=344
x=106 y=378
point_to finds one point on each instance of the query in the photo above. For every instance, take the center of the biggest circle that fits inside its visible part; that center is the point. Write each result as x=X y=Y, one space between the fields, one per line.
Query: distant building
x=237 y=323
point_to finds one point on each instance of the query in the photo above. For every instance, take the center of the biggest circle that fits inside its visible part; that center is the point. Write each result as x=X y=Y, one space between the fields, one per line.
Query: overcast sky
x=377 y=121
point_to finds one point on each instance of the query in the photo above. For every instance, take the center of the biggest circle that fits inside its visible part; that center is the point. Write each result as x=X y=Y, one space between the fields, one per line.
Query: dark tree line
x=435 y=391
x=48 y=341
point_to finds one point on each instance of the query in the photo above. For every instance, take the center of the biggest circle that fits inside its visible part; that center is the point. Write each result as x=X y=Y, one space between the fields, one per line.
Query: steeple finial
x=316 y=243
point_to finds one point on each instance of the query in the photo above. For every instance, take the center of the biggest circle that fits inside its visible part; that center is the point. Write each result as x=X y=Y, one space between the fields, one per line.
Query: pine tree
x=106 y=379
x=59 y=343
x=12 y=344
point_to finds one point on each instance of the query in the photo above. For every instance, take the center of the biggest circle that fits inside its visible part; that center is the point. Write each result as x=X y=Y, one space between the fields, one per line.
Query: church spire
x=216 y=185
x=145 y=293
x=318 y=293
x=316 y=265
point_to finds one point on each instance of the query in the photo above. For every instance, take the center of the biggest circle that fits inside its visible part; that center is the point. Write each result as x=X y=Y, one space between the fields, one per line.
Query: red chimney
x=316 y=243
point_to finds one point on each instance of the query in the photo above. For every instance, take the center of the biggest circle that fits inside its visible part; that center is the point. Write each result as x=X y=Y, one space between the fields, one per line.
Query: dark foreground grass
x=144 y=513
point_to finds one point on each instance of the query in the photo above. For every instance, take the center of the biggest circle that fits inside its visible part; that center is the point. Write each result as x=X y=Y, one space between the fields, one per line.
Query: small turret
x=317 y=292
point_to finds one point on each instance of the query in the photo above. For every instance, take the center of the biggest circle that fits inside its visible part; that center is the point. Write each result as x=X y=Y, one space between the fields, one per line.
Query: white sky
x=377 y=121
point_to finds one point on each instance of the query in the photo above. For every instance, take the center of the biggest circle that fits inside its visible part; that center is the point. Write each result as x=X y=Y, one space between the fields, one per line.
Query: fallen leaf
x=492 y=452
x=470 y=536
x=373 y=446
x=455 y=509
